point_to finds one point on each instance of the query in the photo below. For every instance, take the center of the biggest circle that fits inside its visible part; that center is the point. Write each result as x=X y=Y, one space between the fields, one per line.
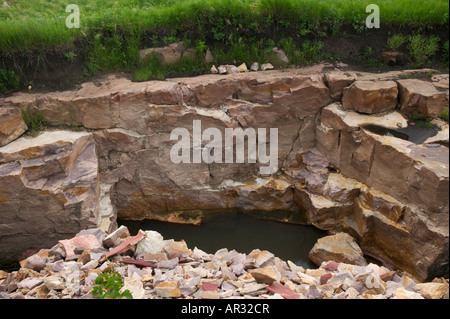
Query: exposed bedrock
x=388 y=193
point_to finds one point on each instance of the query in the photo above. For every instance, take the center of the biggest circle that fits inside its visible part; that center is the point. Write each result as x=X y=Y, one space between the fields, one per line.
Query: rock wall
x=387 y=193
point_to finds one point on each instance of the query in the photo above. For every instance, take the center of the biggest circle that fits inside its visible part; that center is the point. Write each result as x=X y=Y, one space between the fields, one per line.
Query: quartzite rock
x=370 y=97
x=51 y=182
x=421 y=98
x=11 y=125
x=340 y=248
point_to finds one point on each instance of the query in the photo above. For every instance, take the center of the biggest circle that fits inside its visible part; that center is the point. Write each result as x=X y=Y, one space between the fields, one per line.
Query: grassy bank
x=113 y=31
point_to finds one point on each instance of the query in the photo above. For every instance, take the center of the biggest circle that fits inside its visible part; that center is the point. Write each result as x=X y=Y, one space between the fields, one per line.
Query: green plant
x=445 y=115
x=368 y=58
x=445 y=53
x=108 y=285
x=35 y=122
x=70 y=56
x=396 y=41
x=9 y=81
x=422 y=49
x=201 y=47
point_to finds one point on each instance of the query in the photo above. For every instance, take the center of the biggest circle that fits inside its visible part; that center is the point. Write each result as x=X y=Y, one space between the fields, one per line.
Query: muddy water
x=413 y=133
x=241 y=232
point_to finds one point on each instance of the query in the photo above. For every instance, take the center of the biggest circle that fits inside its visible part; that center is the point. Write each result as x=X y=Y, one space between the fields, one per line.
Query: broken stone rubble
x=195 y=274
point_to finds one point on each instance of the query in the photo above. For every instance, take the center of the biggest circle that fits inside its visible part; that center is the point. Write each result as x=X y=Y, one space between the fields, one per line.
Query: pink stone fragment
x=284 y=291
x=324 y=278
x=331 y=266
x=208 y=286
x=85 y=241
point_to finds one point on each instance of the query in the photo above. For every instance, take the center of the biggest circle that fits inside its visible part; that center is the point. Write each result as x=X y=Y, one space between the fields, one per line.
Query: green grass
x=36 y=122
x=9 y=81
x=445 y=115
x=396 y=41
x=422 y=49
x=113 y=31
x=38 y=24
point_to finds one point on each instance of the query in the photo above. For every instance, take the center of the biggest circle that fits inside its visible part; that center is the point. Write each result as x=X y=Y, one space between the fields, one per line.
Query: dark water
x=414 y=133
x=241 y=232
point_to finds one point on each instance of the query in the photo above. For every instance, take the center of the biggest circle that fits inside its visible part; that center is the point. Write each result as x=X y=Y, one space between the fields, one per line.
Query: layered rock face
x=386 y=192
x=49 y=190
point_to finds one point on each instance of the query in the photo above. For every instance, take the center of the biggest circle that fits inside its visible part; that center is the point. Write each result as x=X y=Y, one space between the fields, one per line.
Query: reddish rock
x=370 y=97
x=331 y=266
x=208 y=286
x=418 y=97
x=11 y=125
x=85 y=241
x=284 y=291
x=324 y=278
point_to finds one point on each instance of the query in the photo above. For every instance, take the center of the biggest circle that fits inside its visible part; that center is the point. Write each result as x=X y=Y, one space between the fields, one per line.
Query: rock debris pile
x=154 y=268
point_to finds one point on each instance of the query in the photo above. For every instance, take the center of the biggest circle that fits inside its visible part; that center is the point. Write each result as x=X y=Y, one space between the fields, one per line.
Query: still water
x=241 y=232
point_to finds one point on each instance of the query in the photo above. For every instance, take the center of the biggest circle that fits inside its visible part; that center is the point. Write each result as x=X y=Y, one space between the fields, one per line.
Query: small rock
x=209 y=286
x=266 y=66
x=222 y=69
x=90 y=265
x=242 y=67
x=54 y=282
x=30 y=283
x=214 y=70
x=284 y=291
x=176 y=249
x=402 y=293
x=254 y=66
x=112 y=239
x=97 y=232
x=351 y=293
x=150 y=257
x=341 y=276
x=85 y=241
x=324 y=278
x=153 y=243
x=433 y=290
x=232 y=69
x=134 y=286
x=168 y=289
x=265 y=275
x=331 y=266
x=168 y=264
x=264 y=258
x=387 y=276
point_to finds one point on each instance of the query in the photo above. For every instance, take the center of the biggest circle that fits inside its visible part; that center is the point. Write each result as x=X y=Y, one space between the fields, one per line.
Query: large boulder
x=339 y=248
x=421 y=98
x=370 y=97
x=12 y=125
x=49 y=190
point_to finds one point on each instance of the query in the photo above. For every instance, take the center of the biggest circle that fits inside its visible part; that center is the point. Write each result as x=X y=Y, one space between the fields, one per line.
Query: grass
x=112 y=32
x=9 y=81
x=36 y=122
x=422 y=49
x=445 y=115
x=396 y=41
x=39 y=24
